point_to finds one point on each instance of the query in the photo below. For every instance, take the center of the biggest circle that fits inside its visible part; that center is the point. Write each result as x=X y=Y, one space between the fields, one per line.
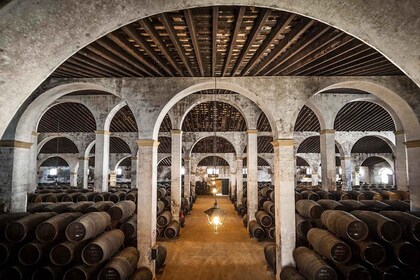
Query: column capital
x=187 y=158
x=283 y=142
x=147 y=143
x=327 y=131
x=83 y=158
x=102 y=132
x=239 y=158
x=345 y=158
x=34 y=133
x=252 y=131
x=399 y=132
x=176 y=132
x=15 y=144
x=412 y=144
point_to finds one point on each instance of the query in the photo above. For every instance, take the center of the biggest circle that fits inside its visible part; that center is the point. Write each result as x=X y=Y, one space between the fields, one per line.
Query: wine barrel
x=404 y=195
x=298 y=197
x=389 y=272
x=389 y=195
x=67 y=252
x=40 y=197
x=353 y=272
x=24 y=228
x=380 y=226
x=16 y=272
x=376 y=205
x=353 y=205
x=59 y=207
x=161 y=193
x=160 y=207
x=121 y=266
x=345 y=225
x=6 y=253
x=372 y=195
x=33 y=253
x=37 y=207
x=356 y=195
x=164 y=219
x=255 y=230
x=143 y=273
x=117 y=196
x=160 y=257
x=103 y=247
x=324 y=194
x=129 y=227
x=312 y=266
x=100 y=206
x=88 y=196
x=397 y=205
x=82 y=272
x=270 y=256
x=71 y=197
x=167 y=200
x=54 y=198
x=329 y=246
x=54 y=228
x=331 y=205
x=309 y=209
x=132 y=196
x=103 y=196
x=405 y=252
x=87 y=226
x=371 y=252
x=410 y=224
x=172 y=230
x=241 y=209
x=122 y=210
x=309 y=195
x=270 y=208
x=290 y=273
x=185 y=206
x=81 y=206
x=302 y=225
x=341 y=195
x=261 y=200
x=245 y=219
x=264 y=219
x=47 y=272
x=6 y=219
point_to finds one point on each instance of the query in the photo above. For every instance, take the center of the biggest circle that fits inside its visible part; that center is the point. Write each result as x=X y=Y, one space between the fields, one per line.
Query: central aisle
x=200 y=254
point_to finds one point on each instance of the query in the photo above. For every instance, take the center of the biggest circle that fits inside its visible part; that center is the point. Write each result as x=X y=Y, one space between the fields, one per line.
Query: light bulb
x=216 y=220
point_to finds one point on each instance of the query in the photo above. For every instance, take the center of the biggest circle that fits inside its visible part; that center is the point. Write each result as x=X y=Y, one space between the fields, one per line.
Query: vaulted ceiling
x=213 y=161
x=371 y=144
x=260 y=162
x=225 y=41
x=373 y=160
x=55 y=162
x=213 y=144
x=312 y=145
x=59 y=145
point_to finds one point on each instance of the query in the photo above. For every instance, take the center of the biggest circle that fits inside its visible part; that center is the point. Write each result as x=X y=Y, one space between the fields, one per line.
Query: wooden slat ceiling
x=307 y=120
x=363 y=116
x=164 y=145
x=262 y=123
x=263 y=144
x=55 y=162
x=126 y=162
x=213 y=145
x=213 y=161
x=91 y=161
x=67 y=117
x=225 y=41
x=371 y=144
x=260 y=162
x=301 y=162
x=166 y=124
x=167 y=162
x=372 y=161
x=312 y=145
x=205 y=116
x=60 y=145
x=124 y=121
x=116 y=146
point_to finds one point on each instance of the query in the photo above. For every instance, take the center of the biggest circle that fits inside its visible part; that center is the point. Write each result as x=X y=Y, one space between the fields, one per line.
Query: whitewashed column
x=232 y=182
x=82 y=172
x=176 y=159
x=33 y=170
x=187 y=178
x=252 y=174
x=346 y=170
x=315 y=175
x=134 y=172
x=239 y=181
x=101 y=160
x=327 y=141
x=284 y=196
x=413 y=157
x=146 y=201
x=401 y=174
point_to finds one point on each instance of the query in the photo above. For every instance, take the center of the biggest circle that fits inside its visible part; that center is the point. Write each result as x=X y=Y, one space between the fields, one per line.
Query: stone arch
x=391 y=164
x=112 y=114
x=204 y=137
x=386 y=140
x=316 y=111
x=50 y=157
x=201 y=158
x=338 y=146
x=302 y=158
x=223 y=85
x=121 y=160
x=46 y=140
x=123 y=141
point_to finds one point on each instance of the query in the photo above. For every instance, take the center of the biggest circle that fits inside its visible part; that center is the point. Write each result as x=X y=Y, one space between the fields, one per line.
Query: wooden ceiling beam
x=91 y=73
x=167 y=24
x=256 y=29
x=275 y=33
x=78 y=71
x=119 y=41
x=91 y=62
x=232 y=45
x=296 y=31
x=366 y=59
x=215 y=24
x=189 y=19
x=151 y=31
x=89 y=67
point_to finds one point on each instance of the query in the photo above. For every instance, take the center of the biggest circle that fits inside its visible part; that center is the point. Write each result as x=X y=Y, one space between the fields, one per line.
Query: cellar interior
x=223 y=140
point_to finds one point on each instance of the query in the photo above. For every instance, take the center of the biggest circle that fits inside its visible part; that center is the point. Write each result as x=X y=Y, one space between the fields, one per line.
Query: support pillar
x=187 y=178
x=134 y=172
x=73 y=179
x=239 y=181
x=328 y=172
x=14 y=169
x=82 y=172
x=413 y=157
x=315 y=176
x=252 y=174
x=176 y=159
x=232 y=182
x=401 y=176
x=101 y=160
x=356 y=175
x=284 y=196
x=147 y=196
x=33 y=170
x=346 y=171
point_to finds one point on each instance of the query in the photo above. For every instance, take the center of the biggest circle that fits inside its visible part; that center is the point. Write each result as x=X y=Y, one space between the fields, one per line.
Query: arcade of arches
x=256 y=94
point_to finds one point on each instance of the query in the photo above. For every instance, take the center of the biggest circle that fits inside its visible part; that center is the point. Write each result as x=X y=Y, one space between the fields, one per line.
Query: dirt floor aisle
x=199 y=254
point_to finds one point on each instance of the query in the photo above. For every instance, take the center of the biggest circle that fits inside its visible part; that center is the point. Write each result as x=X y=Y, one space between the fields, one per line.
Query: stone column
x=401 y=176
x=187 y=178
x=346 y=171
x=413 y=157
x=284 y=196
x=147 y=196
x=14 y=169
x=192 y=180
x=239 y=181
x=82 y=172
x=315 y=176
x=112 y=178
x=252 y=174
x=33 y=170
x=101 y=160
x=134 y=172
x=328 y=172
x=176 y=158
x=73 y=179
x=232 y=182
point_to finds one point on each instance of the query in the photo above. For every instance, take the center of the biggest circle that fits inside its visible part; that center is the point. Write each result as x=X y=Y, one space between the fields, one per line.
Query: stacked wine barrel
x=165 y=226
x=67 y=240
x=369 y=234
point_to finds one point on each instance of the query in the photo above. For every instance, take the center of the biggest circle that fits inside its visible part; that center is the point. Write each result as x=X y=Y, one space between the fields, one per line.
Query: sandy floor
x=200 y=254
